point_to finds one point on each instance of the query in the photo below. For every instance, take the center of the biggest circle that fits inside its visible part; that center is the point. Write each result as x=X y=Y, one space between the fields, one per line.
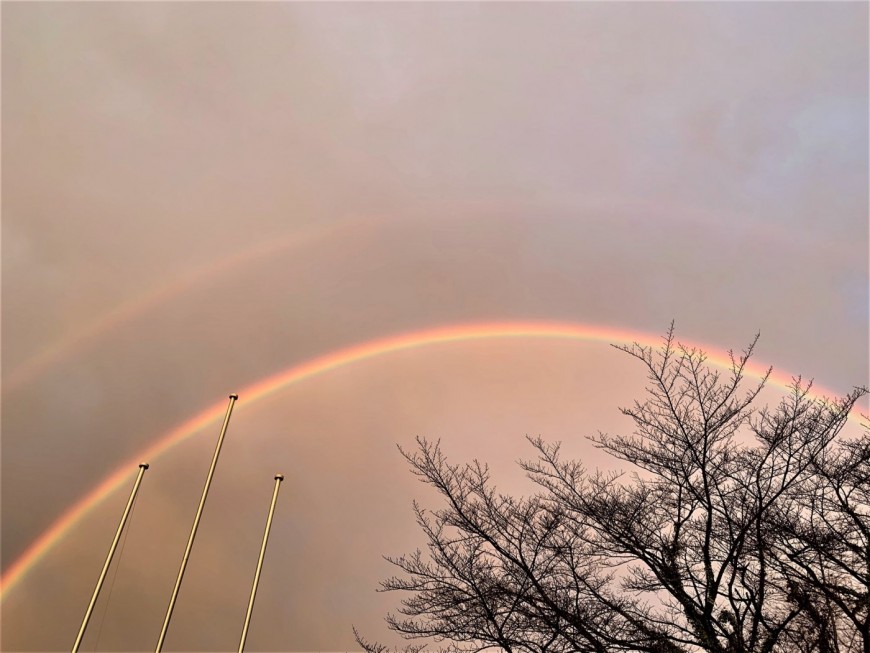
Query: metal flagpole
x=196 y=519
x=278 y=479
x=102 y=578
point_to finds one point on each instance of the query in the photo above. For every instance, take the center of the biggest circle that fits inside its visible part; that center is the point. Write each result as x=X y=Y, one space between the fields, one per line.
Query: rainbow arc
x=332 y=361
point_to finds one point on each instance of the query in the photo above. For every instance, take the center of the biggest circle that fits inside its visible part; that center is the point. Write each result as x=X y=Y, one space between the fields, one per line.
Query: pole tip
x=144 y=465
x=279 y=477
x=234 y=396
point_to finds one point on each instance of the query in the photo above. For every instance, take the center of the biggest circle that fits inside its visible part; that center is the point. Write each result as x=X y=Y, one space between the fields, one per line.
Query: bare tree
x=823 y=546
x=741 y=529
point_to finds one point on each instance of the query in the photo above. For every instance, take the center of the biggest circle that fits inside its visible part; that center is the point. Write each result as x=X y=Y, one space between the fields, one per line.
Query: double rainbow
x=331 y=361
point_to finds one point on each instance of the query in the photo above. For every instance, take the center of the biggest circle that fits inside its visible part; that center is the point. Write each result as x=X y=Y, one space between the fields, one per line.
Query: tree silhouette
x=741 y=529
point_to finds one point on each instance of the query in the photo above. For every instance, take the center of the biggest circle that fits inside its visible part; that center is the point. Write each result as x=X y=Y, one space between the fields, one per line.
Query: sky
x=200 y=198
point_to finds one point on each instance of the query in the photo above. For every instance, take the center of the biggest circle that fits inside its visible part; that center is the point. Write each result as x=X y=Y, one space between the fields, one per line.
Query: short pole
x=278 y=479
x=102 y=578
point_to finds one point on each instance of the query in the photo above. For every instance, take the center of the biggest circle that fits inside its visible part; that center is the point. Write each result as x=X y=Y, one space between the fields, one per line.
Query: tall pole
x=102 y=578
x=196 y=519
x=278 y=479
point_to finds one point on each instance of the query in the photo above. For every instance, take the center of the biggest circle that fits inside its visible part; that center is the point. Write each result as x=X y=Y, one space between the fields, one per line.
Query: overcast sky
x=197 y=196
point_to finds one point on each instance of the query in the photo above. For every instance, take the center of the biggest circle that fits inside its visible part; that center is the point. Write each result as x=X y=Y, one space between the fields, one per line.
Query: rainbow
x=328 y=362
x=133 y=308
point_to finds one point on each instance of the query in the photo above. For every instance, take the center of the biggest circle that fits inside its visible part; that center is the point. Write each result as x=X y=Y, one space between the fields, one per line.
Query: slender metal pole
x=102 y=578
x=278 y=479
x=196 y=519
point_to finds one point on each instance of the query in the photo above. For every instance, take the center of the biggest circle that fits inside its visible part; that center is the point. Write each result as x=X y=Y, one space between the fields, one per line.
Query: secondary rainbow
x=139 y=305
x=162 y=294
x=332 y=361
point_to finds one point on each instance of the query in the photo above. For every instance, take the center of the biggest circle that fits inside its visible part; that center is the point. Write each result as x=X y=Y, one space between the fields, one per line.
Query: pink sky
x=197 y=196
